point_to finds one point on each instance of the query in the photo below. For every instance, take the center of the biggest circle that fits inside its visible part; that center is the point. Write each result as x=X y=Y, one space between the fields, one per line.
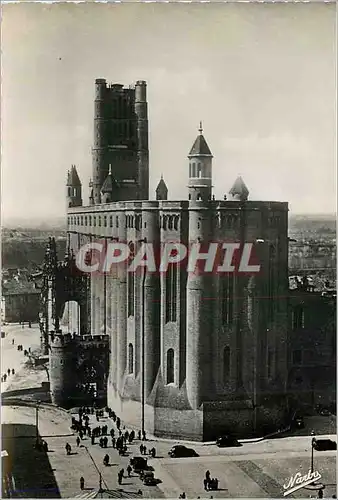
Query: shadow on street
x=31 y=469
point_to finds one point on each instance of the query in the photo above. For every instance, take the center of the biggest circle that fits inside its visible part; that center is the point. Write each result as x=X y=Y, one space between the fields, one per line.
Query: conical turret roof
x=161 y=186
x=200 y=146
x=239 y=189
x=109 y=183
x=73 y=178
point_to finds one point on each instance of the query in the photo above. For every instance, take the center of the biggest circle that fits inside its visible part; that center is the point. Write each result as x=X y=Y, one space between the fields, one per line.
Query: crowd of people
x=121 y=437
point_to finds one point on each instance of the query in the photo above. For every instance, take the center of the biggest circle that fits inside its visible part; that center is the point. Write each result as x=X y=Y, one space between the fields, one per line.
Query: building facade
x=191 y=355
x=312 y=352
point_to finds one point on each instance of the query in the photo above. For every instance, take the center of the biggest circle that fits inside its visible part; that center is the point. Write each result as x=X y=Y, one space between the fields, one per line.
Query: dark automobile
x=227 y=441
x=181 y=451
x=150 y=481
x=139 y=464
x=324 y=444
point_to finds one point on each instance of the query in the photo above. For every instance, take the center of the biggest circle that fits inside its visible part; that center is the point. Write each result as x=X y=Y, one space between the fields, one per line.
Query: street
x=257 y=469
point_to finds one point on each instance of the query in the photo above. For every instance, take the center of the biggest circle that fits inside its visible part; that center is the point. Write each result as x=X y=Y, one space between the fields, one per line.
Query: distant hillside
x=22 y=249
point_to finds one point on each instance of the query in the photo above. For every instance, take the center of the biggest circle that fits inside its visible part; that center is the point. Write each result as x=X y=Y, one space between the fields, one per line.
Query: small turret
x=161 y=190
x=108 y=188
x=239 y=191
x=200 y=169
x=74 y=188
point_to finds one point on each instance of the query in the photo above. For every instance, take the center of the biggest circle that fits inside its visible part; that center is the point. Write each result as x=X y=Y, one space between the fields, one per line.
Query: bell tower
x=200 y=169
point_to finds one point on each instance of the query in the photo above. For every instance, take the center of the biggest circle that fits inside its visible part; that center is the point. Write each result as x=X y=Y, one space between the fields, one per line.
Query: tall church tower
x=200 y=169
x=74 y=188
x=121 y=140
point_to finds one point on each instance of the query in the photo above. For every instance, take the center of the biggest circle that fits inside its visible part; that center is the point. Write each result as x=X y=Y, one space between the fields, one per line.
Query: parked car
x=324 y=444
x=138 y=464
x=325 y=412
x=180 y=451
x=227 y=442
x=150 y=481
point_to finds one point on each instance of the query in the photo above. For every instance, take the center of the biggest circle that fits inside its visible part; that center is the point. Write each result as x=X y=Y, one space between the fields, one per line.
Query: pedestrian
x=5 y=377
x=68 y=448
x=141 y=449
x=112 y=432
x=93 y=439
x=207 y=475
x=78 y=440
x=13 y=342
x=320 y=493
x=129 y=469
x=144 y=436
x=139 y=435
x=205 y=482
x=106 y=460
x=82 y=483
x=113 y=442
x=144 y=450
x=8 y=372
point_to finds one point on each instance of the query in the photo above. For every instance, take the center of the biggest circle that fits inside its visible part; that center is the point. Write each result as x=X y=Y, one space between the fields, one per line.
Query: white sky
x=261 y=77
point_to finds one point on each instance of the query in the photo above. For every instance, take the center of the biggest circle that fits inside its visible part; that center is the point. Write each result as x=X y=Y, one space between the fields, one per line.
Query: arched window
x=176 y=221
x=170 y=223
x=171 y=293
x=226 y=364
x=130 y=358
x=131 y=282
x=170 y=366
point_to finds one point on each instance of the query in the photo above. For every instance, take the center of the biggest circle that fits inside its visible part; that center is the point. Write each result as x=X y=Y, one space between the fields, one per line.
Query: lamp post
x=101 y=490
x=312 y=448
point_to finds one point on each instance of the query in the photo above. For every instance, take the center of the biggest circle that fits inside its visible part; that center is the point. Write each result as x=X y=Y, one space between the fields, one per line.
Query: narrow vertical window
x=170 y=367
x=131 y=282
x=226 y=364
x=171 y=293
x=130 y=358
x=271 y=283
x=227 y=298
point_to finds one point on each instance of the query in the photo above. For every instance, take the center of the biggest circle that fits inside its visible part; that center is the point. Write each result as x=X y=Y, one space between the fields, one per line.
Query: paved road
x=254 y=470
x=10 y=356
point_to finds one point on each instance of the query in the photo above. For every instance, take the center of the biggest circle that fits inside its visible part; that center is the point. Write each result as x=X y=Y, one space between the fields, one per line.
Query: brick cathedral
x=190 y=356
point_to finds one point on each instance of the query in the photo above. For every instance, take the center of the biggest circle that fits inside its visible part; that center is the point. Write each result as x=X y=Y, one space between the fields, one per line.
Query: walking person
x=129 y=469
x=82 y=482
x=78 y=441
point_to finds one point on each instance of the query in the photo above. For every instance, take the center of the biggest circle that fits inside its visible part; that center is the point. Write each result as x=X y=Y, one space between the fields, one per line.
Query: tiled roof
x=161 y=185
x=200 y=147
